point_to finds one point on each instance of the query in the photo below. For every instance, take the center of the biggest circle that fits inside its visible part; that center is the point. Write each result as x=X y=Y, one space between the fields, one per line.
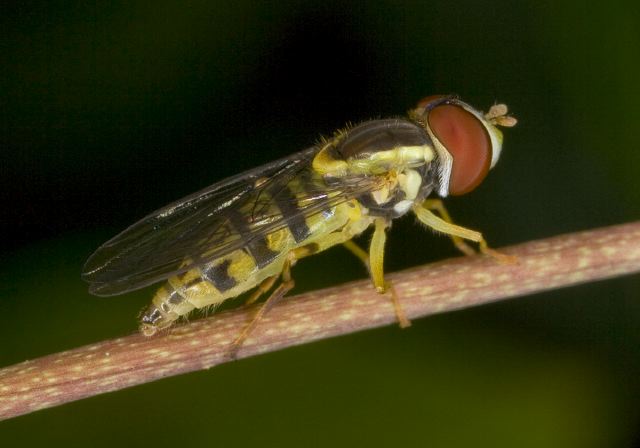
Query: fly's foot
x=463 y=246
x=497 y=255
x=401 y=316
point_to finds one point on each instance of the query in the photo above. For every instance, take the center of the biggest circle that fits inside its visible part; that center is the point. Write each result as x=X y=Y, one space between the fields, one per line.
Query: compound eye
x=464 y=136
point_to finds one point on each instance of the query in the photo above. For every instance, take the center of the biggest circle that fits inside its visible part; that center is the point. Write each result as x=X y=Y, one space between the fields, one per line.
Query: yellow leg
x=457 y=233
x=262 y=288
x=458 y=241
x=376 y=254
x=403 y=320
x=357 y=251
x=376 y=269
x=282 y=289
x=277 y=294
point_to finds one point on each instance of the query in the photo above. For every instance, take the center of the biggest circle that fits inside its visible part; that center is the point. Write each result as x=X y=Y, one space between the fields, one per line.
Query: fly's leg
x=262 y=288
x=403 y=320
x=457 y=233
x=376 y=269
x=357 y=251
x=274 y=298
x=459 y=242
x=376 y=255
x=283 y=288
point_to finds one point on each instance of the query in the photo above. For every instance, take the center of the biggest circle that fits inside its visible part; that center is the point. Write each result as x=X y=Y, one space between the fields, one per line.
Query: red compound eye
x=466 y=139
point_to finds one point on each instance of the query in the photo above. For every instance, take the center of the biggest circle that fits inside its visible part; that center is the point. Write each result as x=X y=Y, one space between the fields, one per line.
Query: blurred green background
x=112 y=110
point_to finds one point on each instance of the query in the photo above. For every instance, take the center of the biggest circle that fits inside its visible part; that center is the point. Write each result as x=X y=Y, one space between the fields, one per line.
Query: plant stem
x=444 y=286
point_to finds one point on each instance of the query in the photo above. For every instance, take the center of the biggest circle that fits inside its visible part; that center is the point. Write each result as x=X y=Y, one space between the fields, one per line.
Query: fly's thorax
x=401 y=190
x=373 y=148
x=394 y=157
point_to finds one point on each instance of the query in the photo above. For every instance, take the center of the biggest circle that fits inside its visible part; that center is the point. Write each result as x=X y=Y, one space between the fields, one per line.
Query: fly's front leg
x=457 y=238
x=457 y=233
x=376 y=268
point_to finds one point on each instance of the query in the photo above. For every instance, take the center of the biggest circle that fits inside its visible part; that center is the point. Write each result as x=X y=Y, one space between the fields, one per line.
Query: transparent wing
x=198 y=228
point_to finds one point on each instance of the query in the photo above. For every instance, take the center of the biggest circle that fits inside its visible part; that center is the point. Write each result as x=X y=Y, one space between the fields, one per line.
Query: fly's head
x=467 y=142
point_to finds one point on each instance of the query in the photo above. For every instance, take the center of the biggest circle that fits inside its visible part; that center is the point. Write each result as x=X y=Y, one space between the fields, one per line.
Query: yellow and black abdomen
x=259 y=257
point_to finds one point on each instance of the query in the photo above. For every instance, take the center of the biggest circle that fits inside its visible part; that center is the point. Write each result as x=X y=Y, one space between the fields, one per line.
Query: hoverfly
x=247 y=231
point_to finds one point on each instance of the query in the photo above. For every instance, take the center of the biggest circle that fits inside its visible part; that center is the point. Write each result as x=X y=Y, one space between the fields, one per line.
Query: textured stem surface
x=448 y=285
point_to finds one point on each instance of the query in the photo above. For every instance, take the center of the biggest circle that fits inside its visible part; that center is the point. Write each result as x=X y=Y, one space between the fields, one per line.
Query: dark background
x=110 y=111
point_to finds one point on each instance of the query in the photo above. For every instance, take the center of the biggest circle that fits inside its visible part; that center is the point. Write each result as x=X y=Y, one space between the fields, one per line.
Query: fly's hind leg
x=262 y=288
x=283 y=288
x=274 y=298
x=457 y=233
